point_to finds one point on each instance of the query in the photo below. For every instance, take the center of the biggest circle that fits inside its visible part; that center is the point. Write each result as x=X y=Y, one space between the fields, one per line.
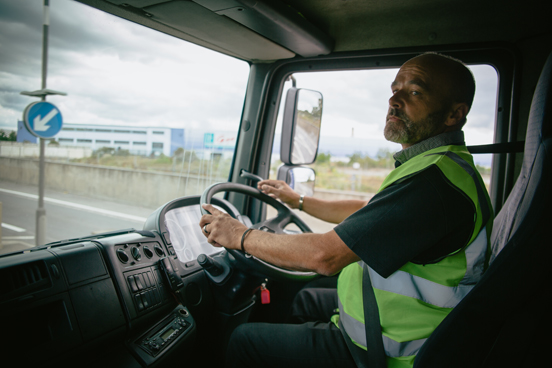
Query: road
x=71 y=216
x=67 y=216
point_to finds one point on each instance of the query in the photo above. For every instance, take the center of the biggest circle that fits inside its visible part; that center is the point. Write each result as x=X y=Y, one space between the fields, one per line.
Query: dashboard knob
x=136 y=253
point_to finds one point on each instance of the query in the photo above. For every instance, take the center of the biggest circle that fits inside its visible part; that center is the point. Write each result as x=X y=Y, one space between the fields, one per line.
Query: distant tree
x=12 y=136
x=103 y=151
x=178 y=152
x=322 y=158
x=53 y=142
x=355 y=157
x=384 y=153
x=364 y=161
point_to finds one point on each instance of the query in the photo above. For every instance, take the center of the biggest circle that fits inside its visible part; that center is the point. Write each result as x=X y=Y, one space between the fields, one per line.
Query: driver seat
x=503 y=321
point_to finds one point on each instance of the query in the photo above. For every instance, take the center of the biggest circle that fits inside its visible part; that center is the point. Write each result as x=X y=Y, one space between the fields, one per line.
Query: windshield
x=147 y=118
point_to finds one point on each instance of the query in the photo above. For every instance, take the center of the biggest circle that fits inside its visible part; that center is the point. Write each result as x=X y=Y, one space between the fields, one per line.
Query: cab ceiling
x=268 y=30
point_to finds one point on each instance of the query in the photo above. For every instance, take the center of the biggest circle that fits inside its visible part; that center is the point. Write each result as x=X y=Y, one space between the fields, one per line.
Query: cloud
x=114 y=71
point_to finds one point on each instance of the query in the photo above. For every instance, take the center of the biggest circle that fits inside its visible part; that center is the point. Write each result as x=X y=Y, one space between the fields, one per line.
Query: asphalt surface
x=67 y=216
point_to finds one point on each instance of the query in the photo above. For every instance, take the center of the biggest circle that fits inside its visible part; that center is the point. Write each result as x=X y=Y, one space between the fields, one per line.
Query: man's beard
x=408 y=131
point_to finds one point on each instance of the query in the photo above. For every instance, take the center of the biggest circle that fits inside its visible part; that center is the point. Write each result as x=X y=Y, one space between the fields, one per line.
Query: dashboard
x=121 y=299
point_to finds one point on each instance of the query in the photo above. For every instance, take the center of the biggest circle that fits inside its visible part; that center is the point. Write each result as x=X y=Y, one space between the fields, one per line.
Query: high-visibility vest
x=416 y=298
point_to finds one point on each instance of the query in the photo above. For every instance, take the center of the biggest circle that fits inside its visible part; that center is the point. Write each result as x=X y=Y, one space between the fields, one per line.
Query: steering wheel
x=274 y=225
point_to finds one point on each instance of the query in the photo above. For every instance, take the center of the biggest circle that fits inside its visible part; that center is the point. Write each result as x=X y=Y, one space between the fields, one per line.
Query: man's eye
x=415 y=93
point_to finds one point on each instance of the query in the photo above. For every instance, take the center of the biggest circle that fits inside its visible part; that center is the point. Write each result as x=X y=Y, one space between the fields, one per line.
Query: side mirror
x=299 y=178
x=301 y=127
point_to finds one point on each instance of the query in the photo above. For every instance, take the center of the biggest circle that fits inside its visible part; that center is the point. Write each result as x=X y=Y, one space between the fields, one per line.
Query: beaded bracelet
x=301 y=198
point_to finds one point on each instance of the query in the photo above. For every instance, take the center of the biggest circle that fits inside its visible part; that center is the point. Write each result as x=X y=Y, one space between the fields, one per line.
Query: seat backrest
x=500 y=322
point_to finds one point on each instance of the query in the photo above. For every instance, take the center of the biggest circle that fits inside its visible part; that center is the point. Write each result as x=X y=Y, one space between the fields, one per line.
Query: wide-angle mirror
x=299 y=178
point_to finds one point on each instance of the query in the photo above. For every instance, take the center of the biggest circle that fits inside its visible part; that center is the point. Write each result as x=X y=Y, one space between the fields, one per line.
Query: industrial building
x=137 y=140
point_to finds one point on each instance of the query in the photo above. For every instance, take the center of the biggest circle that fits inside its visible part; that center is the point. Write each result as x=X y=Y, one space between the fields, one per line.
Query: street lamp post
x=40 y=237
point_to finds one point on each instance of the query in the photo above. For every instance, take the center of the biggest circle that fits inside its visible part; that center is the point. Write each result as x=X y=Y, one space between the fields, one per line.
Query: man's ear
x=457 y=114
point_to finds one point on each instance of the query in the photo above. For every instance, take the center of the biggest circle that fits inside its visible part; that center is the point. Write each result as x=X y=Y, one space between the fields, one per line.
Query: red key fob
x=265 y=295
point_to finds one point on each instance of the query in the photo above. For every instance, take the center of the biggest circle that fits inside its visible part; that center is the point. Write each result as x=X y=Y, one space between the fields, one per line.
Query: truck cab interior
x=132 y=298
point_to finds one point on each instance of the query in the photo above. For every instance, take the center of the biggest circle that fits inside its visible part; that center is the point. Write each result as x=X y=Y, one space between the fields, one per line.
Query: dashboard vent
x=24 y=279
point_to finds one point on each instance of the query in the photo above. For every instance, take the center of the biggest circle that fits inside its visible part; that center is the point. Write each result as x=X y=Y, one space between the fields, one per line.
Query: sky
x=118 y=73
x=114 y=72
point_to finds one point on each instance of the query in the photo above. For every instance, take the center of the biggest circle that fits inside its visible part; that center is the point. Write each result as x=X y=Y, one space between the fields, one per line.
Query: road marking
x=14 y=228
x=78 y=206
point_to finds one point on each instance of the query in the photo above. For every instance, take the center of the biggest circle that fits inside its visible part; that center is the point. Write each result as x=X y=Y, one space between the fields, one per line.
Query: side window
x=354 y=157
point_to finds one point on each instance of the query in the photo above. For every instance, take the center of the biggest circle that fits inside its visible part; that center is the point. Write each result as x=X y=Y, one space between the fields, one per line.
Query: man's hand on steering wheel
x=221 y=229
x=280 y=190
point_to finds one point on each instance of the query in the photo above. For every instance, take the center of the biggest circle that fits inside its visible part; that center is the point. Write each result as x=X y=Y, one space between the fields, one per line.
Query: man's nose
x=395 y=100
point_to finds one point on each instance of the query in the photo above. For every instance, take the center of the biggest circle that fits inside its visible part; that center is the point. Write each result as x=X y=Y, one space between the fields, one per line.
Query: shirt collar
x=443 y=139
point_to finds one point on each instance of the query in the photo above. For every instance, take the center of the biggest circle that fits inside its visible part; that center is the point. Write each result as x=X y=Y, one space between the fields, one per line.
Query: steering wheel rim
x=284 y=217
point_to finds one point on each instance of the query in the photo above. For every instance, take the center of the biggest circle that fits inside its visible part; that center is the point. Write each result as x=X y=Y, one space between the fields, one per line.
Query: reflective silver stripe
x=395 y=349
x=406 y=284
x=403 y=283
x=475 y=258
x=355 y=330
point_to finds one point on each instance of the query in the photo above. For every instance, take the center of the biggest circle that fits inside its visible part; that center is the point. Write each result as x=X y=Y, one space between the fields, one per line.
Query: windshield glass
x=147 y=118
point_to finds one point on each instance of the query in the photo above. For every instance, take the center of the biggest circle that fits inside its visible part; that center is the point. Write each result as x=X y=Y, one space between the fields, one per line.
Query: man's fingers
x=212 y=209
x=267 y=188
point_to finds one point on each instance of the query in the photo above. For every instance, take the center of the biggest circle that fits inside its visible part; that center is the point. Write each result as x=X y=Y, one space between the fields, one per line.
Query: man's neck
x=443 y=139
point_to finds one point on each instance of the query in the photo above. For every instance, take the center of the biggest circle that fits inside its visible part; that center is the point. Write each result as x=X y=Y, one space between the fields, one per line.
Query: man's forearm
x=325 y=254
x=331 y=211
x=322 y=253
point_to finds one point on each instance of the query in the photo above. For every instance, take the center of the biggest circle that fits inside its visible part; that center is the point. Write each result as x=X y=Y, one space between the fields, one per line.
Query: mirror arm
x=246 y=174
x=293 y=81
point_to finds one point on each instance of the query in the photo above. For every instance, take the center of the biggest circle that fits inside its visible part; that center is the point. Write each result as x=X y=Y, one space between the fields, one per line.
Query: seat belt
x=374 y=356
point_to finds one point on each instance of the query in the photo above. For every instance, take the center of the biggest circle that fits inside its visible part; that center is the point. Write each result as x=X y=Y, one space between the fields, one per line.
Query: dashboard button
x=132 y=283
x=144 y=300
x=140 y=281
x=139 y=303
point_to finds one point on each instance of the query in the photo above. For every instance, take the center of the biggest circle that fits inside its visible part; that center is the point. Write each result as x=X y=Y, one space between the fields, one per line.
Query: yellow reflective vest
x=416 y=298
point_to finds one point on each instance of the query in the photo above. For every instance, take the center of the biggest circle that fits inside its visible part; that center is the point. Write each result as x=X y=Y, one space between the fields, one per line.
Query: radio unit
x=164 y=335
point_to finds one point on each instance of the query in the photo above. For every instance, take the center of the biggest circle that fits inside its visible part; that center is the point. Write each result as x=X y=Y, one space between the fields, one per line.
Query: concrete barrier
x=144 y=188
x=22 y=150
x=137 y=187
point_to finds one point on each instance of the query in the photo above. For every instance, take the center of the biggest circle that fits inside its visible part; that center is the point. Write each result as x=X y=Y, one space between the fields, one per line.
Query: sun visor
x=192 y=22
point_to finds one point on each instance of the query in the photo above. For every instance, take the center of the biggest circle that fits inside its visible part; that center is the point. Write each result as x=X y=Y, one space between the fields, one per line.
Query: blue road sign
x=42 y=119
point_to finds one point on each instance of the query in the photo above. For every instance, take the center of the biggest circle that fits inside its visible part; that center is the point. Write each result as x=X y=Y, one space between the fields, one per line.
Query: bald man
x=421 y=240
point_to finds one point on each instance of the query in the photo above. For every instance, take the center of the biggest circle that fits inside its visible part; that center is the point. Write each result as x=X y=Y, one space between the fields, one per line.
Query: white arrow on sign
x=41 y=123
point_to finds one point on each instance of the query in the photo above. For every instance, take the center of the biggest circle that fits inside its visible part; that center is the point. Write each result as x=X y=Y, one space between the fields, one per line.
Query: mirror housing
x=299 y=178
x=301 y=127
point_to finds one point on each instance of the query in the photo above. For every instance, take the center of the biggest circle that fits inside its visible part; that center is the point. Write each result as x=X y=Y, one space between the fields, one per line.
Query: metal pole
x=40 y=237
